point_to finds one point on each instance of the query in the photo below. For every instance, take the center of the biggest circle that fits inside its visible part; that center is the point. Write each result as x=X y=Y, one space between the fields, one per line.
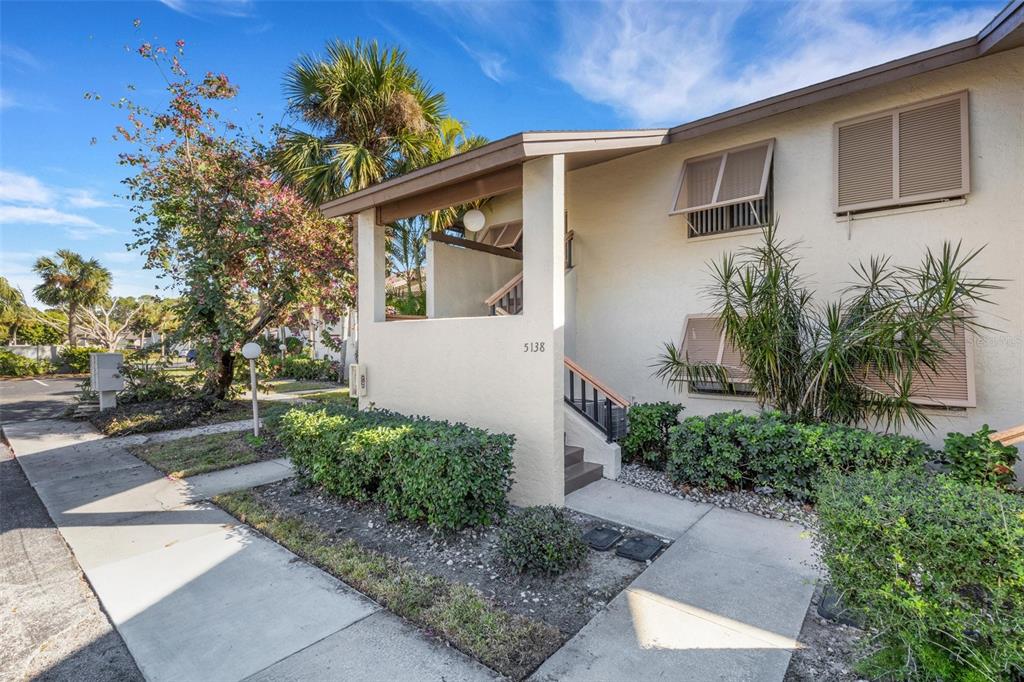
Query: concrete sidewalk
x=195 y=595
x=725 y=602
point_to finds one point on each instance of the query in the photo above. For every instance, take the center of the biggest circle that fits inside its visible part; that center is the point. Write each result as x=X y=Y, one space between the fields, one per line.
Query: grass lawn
x=511 y=644
x=340 y=395
x=292 y=385
x=201 y=454
x=180 y=371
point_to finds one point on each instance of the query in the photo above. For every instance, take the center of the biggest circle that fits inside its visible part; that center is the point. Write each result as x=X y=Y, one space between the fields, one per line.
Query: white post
x=250 y=352
x=255 y=402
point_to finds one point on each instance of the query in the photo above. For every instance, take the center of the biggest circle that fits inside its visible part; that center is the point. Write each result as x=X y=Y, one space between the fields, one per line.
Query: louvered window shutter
x=865 y=163
x=908 y=155
x=725 y=178
x=950 y=384
x=702 y=339
x=503 y=235
x=931 y=150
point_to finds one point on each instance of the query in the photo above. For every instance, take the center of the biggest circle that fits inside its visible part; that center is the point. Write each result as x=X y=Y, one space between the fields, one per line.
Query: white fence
x=36 y=352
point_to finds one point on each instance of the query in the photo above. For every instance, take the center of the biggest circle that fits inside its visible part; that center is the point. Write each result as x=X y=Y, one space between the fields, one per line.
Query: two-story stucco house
x=593 y=252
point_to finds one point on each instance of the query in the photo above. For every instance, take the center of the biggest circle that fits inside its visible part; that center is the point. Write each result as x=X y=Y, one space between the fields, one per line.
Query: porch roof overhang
x=491 y=169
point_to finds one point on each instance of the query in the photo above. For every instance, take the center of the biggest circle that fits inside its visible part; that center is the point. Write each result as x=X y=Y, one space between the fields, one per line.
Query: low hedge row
x=447 y=475
x=935 y=565
x=306 y=369
x=736 y=450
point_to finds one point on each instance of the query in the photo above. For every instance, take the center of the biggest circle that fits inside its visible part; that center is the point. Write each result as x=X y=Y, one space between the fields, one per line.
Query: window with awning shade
x=724 y=178
x=908 y=155
x=704 y=341
x=503 y=235
x=950 y=384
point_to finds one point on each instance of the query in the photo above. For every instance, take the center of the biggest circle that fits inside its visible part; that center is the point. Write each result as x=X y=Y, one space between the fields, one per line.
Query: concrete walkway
x=725 y=602
x=195 y=595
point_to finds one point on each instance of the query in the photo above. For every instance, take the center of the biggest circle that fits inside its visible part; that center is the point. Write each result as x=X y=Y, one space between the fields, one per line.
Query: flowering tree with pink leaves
x=241 y=248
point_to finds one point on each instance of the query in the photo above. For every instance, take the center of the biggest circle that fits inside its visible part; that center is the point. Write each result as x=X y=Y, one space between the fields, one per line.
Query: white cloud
x=668 y=63
x=493 y=65
x=23 y=188
x=17 y=55
x=230 y=8
x=38 y=215
x=83 y=198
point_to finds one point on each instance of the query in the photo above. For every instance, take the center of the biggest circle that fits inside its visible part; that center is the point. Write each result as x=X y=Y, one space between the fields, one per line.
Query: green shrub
x=705 y=452
x=935 y=565
x=146 y=382
x=13 y=365
x=542 y=540
x=735 y=450
x=447 y=475
x=75 y=359
x=306 y=369
x=975 y=458
x=293 y=345
x=647 y=439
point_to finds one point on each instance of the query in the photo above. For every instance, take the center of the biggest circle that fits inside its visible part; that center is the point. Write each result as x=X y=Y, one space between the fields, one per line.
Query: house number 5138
x=533 y=347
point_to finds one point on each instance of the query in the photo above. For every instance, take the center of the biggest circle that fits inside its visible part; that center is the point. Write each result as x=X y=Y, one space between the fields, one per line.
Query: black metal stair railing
x=598 y=404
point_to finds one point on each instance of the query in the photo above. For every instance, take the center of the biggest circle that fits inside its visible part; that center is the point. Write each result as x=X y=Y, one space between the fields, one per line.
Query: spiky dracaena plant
x=826 y=362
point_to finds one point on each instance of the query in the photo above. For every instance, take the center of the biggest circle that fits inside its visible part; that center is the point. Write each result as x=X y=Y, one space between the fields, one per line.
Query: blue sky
x=505 y=67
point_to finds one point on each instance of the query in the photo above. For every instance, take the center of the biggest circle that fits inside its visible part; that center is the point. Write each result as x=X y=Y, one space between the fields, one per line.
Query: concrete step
x=573 y=455
x=581 y=474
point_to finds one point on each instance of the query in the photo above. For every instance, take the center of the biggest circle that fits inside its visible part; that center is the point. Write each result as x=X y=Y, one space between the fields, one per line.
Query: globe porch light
x=251 y=351
x=474 y=220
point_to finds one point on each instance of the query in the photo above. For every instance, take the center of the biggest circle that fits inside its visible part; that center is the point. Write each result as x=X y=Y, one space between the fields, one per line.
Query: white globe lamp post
x=250 y=352
x=474 y=220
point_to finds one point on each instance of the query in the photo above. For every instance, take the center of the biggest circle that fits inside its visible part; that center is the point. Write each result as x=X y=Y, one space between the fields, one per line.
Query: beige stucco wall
x=475 y=369
x=459 y=280
x=638 y=274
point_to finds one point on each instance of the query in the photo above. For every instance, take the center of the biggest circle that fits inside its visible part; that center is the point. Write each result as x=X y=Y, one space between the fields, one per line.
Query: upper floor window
x=728 y=190
x=909 y=155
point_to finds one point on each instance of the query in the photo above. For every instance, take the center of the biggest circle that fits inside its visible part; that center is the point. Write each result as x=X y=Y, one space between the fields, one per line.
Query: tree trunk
x=225 y=374
x=72 y=329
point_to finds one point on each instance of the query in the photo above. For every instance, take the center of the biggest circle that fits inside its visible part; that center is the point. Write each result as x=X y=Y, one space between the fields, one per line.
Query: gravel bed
x=469 y=556
x=829 y=649
x=769 y=506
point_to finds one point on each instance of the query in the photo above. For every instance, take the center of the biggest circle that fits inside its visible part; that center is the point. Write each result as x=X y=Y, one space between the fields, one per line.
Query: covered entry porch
x=492 y=350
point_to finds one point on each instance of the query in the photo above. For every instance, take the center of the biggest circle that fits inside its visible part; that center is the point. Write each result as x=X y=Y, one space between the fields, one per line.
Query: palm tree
x=71 y=282
x=369 y=115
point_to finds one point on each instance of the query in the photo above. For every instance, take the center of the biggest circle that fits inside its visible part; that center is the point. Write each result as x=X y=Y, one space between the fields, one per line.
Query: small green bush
x=935 y=565
x=446 y=475
x=75 y=359
x=306 y=369
x=975 y=458
x=705 y=451
x=736 y=450
x=146 y=382
x=542 y=540
x=13 y=365
x=647 y=440
x=293 y=345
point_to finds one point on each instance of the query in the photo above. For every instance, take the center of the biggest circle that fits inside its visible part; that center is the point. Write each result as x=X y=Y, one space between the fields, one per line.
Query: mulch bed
x=162 y=415
x=470 y=556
